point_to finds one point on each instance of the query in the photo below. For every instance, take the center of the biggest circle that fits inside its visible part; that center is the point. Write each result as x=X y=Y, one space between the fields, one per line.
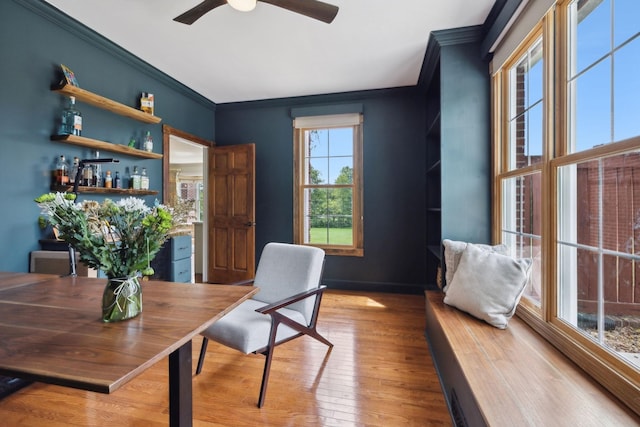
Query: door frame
x=167 y=133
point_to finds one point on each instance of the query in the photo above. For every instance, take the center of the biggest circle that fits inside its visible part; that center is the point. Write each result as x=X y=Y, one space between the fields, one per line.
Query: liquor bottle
x=87 y=176
x=62 y=172
x=148 y=142
x=146 y=102
x=74 y=170
x=97 y=172
x=108 y=181
x=117 y=183
x=135 y=179
x=71 y=119
x=144 y=180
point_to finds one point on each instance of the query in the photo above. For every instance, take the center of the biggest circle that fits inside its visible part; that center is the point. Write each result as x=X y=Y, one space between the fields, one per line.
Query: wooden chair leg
x=275 y=322
x=265 y=376
x=203 y=352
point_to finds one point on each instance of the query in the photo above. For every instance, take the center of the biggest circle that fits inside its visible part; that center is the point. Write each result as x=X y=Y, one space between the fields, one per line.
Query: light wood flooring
x=379 y=373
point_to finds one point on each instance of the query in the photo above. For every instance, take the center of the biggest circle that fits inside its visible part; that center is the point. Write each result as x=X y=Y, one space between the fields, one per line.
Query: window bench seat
x=512 y=377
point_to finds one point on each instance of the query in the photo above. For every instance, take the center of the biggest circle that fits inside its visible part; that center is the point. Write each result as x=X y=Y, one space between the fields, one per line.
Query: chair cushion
x=246 y=330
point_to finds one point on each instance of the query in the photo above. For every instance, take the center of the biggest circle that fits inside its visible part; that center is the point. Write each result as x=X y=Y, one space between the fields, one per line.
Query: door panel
x=231 y=213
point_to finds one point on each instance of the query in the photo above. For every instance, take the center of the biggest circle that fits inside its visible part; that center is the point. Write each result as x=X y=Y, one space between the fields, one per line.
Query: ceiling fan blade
x=192 y=15
x=312 y=8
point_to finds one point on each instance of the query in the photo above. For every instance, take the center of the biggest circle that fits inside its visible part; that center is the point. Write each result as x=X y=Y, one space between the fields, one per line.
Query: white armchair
x=286 y=307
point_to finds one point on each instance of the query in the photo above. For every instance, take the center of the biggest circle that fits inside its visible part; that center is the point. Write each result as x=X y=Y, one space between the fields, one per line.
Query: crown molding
x=440 y=38
x=78 y=29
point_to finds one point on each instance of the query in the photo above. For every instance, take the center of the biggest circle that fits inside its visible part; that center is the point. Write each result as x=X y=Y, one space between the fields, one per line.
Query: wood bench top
x=519 y=379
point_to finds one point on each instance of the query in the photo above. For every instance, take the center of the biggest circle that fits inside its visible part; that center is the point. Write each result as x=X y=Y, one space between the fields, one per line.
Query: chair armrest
x=268 y=309
x=241 y=282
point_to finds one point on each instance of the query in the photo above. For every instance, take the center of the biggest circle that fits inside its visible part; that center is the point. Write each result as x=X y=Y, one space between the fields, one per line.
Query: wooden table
x=51 y=331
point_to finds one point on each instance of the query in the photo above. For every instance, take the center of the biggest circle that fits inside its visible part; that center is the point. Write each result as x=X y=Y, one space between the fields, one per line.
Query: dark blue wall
x=394 y=170
x=34 y=40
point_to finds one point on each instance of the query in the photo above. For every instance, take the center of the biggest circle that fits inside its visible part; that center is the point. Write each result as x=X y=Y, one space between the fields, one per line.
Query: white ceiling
x=231 y=56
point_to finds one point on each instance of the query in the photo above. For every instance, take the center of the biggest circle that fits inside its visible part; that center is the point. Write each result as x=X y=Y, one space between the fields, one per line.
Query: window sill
x=616 y=376
x=338 y=251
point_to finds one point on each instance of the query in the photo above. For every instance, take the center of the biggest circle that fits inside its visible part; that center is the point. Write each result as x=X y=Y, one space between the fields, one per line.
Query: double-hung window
x=567 y=182
x=328 y=183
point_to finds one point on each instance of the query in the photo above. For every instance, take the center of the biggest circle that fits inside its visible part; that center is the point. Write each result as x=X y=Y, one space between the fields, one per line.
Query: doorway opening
x=185 y=191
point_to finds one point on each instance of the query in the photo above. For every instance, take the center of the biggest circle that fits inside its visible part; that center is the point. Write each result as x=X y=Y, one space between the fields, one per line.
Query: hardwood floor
x=379 y=373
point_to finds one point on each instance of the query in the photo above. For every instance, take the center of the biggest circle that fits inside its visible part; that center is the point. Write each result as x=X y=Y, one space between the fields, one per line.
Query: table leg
x=180 y=387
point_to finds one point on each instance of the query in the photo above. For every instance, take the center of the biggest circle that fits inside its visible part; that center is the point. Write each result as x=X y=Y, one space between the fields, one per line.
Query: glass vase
x=121 y=299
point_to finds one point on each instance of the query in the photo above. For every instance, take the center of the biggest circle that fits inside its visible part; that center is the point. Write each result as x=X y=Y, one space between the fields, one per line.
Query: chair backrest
x=285 y=270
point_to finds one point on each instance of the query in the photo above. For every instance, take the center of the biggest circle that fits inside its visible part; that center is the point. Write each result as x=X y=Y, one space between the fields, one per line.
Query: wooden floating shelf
x=105 y=146
x=106 y=103
x=103 y=190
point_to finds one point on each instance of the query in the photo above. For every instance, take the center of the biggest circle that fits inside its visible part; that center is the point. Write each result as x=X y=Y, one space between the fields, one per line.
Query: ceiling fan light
x=242 y=5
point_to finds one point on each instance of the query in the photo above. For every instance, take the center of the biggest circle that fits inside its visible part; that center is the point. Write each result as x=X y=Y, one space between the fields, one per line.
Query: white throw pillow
x=453 y=251
x=488 y=285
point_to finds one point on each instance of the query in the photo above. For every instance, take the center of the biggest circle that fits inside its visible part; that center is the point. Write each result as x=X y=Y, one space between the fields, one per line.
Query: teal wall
x=34 y=40
x=394 y=170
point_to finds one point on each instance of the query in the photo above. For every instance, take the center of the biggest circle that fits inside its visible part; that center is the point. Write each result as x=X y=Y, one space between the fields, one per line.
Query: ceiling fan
x=312 y=8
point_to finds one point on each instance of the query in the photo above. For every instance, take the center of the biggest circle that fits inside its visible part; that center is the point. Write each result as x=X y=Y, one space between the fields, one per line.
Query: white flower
x=133 y=204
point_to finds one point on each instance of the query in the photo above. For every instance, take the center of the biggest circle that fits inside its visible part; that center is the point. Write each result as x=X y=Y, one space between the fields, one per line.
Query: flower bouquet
x=120 y=238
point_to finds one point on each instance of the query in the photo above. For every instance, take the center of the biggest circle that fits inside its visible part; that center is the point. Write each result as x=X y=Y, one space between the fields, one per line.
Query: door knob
x=249 y=224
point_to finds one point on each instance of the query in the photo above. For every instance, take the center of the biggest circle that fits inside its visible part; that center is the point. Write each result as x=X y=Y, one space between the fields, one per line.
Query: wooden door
x=231 y=213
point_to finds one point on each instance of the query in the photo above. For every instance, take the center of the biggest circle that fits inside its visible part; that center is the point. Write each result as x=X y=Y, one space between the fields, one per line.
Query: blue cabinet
x=180 y=270
x=173 y=262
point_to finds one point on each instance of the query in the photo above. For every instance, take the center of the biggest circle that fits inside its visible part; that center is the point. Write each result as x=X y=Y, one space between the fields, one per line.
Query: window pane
x=522 y=204
x=627 y=88
x=528 y=247
x=534 y=134
x=626 y=13
x=317 y=171
x=599 y=247
x=603 y=83
x=593 y=31
x=318 y=140
x=341 y=142
x=341 y=170
x=592 y=111
x=521 y=225
x=329 y=217
x=525 y=115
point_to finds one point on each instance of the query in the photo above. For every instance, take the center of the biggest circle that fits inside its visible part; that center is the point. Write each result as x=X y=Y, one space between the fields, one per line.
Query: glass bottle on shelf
x=108 y=181
x=61 y=172
x=117 y=183
x=148 y=142
x=135 y=179
x=97 y=172
x=144 y=180
x=87 y=176
x=74 y=170
x=71 y=119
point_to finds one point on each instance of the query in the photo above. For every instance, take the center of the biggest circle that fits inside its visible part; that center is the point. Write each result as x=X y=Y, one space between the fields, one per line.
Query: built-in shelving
x=96 y=100
x=105 y=146
x=103 y=190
